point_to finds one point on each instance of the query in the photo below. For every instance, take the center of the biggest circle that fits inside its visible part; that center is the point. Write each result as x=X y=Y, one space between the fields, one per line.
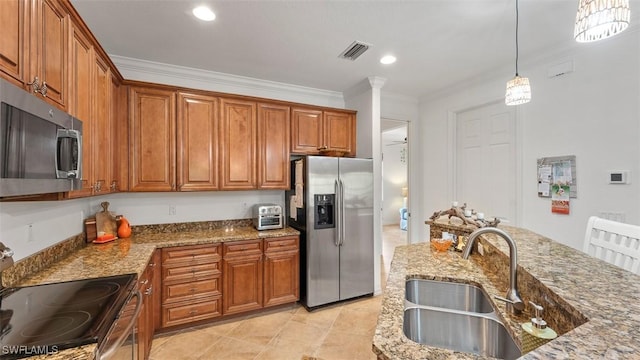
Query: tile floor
x=342 y=331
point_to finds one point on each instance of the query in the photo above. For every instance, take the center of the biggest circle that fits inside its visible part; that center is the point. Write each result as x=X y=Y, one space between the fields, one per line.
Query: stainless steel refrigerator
x=335 y=219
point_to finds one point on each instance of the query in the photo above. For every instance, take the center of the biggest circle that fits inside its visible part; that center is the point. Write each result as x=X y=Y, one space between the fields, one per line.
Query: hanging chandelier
x=518 y=89
x=600 y=19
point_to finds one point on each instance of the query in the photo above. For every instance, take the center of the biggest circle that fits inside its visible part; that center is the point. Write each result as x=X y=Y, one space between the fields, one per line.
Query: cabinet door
x=273 y=146
x=281 y=271
x=242 y=270
x=144 y=323
x=238 y=145
x=81 y=91
x=306 y=131
x=49 y=36
x=339 y=131
x=198 y=120
x=102 y=131
x=120 y=136
x=13 y=34
x=152 y=139
x=156 y=294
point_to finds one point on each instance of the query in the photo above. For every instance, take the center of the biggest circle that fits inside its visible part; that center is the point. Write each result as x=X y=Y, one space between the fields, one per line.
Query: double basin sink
x=455 y=316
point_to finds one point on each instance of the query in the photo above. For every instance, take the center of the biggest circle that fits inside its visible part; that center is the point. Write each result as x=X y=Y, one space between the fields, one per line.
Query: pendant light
x=600 y=19
x=518 y=89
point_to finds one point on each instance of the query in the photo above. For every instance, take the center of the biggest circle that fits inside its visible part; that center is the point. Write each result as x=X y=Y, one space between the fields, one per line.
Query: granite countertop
x=605 y=296
x=131 y=255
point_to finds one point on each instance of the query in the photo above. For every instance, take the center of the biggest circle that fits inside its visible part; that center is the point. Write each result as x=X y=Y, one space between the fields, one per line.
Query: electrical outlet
x=172 y=209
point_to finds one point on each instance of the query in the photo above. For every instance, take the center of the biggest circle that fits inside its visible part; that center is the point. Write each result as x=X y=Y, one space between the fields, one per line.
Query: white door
x=486 y=160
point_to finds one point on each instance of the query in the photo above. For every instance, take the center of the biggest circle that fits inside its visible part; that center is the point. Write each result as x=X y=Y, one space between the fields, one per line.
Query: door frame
x=452 y=156
x=407 y=125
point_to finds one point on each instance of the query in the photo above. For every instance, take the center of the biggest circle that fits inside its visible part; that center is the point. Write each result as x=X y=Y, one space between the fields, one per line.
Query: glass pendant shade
x=600 y=19
x=518 y=91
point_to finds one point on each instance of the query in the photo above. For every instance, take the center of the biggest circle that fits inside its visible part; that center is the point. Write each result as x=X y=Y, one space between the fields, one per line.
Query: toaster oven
x=267 y=216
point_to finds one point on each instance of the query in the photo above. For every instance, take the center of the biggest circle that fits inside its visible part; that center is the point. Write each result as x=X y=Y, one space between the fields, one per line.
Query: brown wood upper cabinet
x=273 y=146
x=152 y=139
x=102 y=155
x=49 y=48
x=91 y=97
x=81 y=90
x=314 y=130
x=14 y=37
x=238 y=145
x=34 y=39
x=198 y=122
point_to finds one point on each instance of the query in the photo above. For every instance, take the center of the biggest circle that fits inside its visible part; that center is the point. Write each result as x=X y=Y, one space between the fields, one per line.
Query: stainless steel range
x=45 y=319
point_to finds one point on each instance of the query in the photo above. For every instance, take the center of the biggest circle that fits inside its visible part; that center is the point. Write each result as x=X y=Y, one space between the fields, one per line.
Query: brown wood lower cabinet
x=190 y=284
x=201 y=282
x=242 y=273
x=281 y=271
x=145 y=324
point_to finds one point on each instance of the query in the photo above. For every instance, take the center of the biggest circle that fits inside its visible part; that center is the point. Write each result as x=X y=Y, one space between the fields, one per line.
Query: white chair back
x=614 y=242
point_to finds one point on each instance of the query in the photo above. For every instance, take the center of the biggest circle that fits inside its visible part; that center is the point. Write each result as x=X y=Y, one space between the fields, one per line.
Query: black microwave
x=40 y=146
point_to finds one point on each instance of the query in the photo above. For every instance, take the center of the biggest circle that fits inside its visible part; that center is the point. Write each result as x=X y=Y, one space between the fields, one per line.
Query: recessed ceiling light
x=388 y=59
x=204 y=13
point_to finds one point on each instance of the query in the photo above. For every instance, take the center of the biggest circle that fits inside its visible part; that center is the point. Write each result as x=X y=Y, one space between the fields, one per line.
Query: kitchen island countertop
x=607 y=296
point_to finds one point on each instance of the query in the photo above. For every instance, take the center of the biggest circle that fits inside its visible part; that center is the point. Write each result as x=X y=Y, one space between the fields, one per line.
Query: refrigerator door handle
x=342 y=219
x=336 y=190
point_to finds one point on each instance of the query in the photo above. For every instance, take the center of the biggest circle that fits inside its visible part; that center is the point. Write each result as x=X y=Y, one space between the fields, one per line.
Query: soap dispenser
x=536 y=333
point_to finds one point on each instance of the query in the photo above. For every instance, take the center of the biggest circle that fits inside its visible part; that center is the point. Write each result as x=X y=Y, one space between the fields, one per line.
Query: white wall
x=593 y=113
x=394 y=174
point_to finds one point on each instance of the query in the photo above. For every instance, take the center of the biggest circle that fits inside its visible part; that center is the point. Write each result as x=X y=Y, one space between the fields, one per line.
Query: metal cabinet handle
x=149 y=290
x=37 y=88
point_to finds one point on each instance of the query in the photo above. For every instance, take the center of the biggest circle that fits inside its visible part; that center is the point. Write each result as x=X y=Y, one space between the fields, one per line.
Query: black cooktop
x=44 y=319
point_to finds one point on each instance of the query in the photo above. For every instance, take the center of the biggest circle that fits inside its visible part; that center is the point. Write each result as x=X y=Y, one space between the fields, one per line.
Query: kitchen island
x=594 y=306
x=127 y=256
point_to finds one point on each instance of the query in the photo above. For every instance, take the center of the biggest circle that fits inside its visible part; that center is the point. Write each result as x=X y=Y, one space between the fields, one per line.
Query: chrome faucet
x=513 y=299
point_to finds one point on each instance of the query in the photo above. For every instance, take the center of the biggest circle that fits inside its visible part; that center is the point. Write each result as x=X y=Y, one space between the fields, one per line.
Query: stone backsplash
x=41 y=260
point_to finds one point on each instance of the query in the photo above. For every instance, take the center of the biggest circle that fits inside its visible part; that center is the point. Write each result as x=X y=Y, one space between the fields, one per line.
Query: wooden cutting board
x=106 y=220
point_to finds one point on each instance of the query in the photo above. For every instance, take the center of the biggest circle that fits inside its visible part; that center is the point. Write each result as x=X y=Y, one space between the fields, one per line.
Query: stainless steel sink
x=459 y=331
x=450 y=295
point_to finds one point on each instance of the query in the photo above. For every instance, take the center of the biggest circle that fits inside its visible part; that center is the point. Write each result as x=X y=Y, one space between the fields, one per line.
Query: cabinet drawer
x=190 y=290
x=187 y=312
x=242 y=248
x=191 y=255
x=281 y=244
x=177 y=274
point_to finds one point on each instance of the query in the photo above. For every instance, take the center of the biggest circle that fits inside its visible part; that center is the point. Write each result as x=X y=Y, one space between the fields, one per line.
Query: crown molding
x=151 y=71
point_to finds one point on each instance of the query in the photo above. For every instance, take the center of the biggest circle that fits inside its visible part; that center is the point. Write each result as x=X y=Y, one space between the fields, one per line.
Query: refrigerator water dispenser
x=324 y=211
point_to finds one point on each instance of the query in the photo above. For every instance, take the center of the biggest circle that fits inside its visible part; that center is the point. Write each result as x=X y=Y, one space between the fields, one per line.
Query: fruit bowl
x=441 y=244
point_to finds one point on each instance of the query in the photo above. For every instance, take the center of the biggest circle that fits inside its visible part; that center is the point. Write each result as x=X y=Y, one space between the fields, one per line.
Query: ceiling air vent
x=354 y=50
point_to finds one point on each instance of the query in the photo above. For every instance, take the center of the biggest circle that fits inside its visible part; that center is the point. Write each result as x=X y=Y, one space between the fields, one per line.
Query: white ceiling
x=438 y=43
